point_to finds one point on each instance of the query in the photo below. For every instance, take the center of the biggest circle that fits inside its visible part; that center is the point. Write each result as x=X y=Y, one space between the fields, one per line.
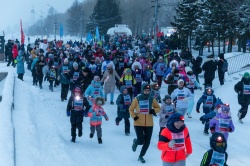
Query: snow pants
x=98 y=129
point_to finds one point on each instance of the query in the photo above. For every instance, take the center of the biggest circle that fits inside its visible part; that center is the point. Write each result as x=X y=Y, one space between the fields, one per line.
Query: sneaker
x=100 y=140
x=112 y=103
x=205 y=132
x=134 y=146
x=41 y=87
x=240 y=121
x=91 y=135
x=117 y=123
x=79 y=133
x=141 y=159
x=73 y=139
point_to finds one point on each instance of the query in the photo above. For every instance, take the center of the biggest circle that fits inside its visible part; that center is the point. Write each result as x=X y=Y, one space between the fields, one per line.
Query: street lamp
x=55 y=23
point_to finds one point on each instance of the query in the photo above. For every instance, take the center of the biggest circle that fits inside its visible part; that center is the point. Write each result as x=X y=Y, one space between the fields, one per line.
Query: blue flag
x=97 y=35
x=89 y=38
x=61 y=30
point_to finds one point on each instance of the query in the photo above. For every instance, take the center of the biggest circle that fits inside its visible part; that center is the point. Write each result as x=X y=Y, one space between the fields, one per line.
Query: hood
x=221 y=56
x=20 y=53
x=199 y=59
x=136 y=64
x=174 y=61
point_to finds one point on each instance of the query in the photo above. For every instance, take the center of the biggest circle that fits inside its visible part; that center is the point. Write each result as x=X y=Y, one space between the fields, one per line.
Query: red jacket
x=180 y=150
x=14 y=51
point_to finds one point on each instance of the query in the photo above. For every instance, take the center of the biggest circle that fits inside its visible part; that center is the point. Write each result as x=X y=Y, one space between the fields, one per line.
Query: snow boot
x=79 y=133
x=127 y=134
x=91 y=135
x=134 y=146
x=73 y=139
x=141 y=159
x=240 y=121
x=100 y=140
x=205 y=132
x=112 y=103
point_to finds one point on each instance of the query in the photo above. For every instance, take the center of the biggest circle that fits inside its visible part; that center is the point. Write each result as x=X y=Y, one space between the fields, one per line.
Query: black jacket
x=210 y=66
x=243 y=99
x=207 y=158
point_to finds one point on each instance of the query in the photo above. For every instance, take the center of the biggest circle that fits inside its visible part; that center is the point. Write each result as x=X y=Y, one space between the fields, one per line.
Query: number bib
x=56 y=64
x=179 y=141
x=127 y=100
x=223 y=125
x=181 y=95
x=65 y=69
x=96 y=91
x=169 y=109
x=93 y=69
x=156 y=94
x=52 y=74
x=75 y=76
x=246 y=89
x=209 y=101
x=99 y=111
x=191 y=81
x=128 y=83
x=121 y=65
x=78 y=104
x=138 y=78
x=144 y=106
x=217 y=159
x=148 y=74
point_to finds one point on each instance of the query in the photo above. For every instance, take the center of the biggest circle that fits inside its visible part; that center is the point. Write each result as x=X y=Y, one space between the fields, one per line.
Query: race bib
x=96 y=91
x=181 y=95
x=75 y=76
x=138 y=78
x=179 y=141
x=223 y=125
x=78 y=104
x=127 y=100
x=144 y=106
x=121 y=65
x=128 y=83
x=209 y=101
x=65 y=69
x=217 y=159
x=246 y=89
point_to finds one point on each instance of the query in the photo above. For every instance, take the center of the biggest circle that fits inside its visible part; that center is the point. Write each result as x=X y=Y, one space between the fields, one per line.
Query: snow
x=42 y=130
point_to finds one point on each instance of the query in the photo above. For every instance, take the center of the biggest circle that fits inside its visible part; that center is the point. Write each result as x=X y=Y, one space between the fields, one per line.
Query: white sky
x=14 y=10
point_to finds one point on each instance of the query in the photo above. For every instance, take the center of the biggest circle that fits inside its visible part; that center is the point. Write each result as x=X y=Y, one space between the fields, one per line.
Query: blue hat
x=175 y=117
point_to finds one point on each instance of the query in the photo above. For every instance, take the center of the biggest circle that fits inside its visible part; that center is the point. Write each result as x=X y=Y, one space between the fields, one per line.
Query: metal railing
x=238 y=63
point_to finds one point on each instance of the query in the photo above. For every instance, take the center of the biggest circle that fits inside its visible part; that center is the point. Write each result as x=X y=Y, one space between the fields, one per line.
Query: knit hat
x=128 y=71
x=86 y=70
x=96 y=78
x=176 y=71
x=180 y=80
x=225 y=109
x=146 y=86
x=175 y=118
x=109 y=65
x=246 y=74
x=75 y=64
x=166 y=97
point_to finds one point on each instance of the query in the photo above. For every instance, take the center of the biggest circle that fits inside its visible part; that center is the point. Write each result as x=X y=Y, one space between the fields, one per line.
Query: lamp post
x=55 y=22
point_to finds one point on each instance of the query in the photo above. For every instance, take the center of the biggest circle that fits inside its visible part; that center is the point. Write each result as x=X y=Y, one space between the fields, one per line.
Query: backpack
x=224 y=66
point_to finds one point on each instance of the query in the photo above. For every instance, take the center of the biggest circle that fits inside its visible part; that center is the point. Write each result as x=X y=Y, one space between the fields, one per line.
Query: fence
x=238 y=63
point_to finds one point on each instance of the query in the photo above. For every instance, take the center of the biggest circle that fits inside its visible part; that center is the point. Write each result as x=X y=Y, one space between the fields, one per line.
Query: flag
x=97 y=35
x=61 y=30
x=89 y=38
x=22 y=34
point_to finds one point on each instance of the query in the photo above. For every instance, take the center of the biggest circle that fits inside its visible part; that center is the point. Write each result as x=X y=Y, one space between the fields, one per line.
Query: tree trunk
x=218 y=43
x=224 y=45
x=239 y=44
x=212 y=44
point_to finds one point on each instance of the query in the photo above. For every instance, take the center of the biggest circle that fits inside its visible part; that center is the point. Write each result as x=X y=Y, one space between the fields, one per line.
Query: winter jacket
x=207 y=158
x=181 y=96
x=209 y=66
x=137 y=74
x=128 y=80
x=159 y=68
x=94 y=90
x=20 y=63
x=144 y=118
x=14 y=51
x=165 y=111
x=62 y=72
x=123 y=102
x=156 y=94
x=74 y=77
x=39 y=66
x=208 y=102
x=33 y=65
x=243 y=90
x=109 y=81
x=77 y=108
x=180 y=150
x=191 y=82
x=197 y=65
x=221 y=125
x=95 y=114
x=105 y=64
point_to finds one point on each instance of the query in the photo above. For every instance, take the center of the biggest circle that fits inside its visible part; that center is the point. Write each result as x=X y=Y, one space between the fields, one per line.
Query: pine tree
x=185 y=21
x=105 y=15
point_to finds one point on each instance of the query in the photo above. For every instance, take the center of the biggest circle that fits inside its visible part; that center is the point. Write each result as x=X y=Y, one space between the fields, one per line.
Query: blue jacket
x=34 y=63
x=62 y=72
x=208 y=102
x=94 y=90
x=159 y=68
x=20 y=63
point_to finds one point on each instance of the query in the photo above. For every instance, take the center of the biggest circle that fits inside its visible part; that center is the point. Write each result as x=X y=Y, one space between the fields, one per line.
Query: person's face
x=209 y=92
x=85 y=73
x=75 y=67
x=146 y=91
x=178 y=124
x=125 y=91
x=168 y=101
x=181 y=84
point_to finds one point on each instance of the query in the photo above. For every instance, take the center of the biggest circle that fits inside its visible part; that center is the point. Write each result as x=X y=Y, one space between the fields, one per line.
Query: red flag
x=22 y=34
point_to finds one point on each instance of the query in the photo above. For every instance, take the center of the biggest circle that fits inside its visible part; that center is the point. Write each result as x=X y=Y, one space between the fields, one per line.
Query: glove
x=212 y=129
x=68 y=113
x=152 y=111
x=107 y=119
x=136 y=118
x=85 y=114
x=197 y=110
x=102 y=83
x=171 y=143
x=166 y=116
x=229 y=129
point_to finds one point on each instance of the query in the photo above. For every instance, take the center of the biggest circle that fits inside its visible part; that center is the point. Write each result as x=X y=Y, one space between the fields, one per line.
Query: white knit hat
x=75 y=64
x=180 y=80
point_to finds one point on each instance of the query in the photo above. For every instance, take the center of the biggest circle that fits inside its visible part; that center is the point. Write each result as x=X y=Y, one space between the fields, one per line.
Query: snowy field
x=42 y=130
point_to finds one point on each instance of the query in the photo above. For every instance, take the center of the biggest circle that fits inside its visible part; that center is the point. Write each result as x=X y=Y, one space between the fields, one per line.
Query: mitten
x=68 y=113
x=135 y=118
x=212 y=129
x=166 y=116
x=102 y=83
x=229 y=129
x=197 y=110
x=106 y=118
x=171 y=143
x=152 y=111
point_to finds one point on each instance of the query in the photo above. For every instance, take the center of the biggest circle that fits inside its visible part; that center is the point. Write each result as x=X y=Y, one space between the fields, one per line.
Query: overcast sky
x=11 y=11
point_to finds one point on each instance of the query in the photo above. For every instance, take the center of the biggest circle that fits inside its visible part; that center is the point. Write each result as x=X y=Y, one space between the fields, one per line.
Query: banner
x=89 y=38
x=22 y=34
x=97 y=35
